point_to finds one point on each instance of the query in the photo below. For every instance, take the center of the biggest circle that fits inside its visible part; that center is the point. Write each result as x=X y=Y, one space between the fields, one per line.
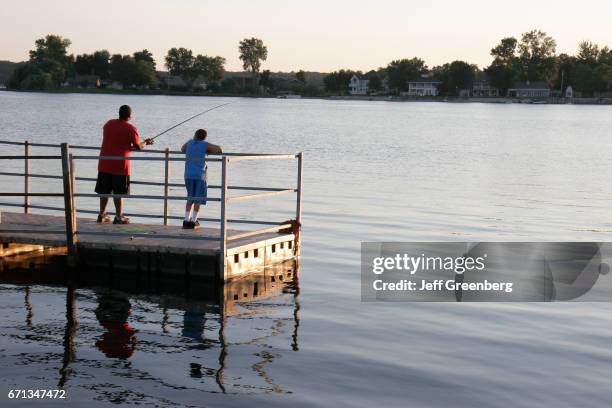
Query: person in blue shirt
x=195 y=175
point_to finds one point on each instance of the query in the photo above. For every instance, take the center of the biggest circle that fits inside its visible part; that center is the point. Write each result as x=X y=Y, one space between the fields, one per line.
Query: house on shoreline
x=358 y=86
x=165 y=80
x=84 y=81
x=484 y=89
x=422 y=87
x=528 y=89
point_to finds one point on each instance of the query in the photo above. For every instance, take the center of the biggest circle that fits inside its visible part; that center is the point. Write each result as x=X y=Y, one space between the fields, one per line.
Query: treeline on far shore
x=51 y=68
x=531 y=58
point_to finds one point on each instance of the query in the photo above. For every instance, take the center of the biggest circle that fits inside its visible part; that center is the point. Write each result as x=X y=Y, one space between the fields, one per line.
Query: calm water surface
x=373 y=171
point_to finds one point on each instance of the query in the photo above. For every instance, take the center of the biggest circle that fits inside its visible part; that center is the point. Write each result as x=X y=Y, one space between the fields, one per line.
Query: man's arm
x=137 y=144
x=184 y=148
x=141 y=145
x=214 y=149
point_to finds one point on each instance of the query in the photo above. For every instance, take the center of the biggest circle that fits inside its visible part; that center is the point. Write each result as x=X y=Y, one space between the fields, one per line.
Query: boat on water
x=288 y=95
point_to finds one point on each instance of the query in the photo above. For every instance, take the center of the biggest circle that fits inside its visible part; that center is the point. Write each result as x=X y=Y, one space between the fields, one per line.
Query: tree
x=252 y=53
x=211 y=68
x=130 y=72
x=375 y=80
x=146 y=56
x=566 y=75
x=229 y=85
x=505 y=51
x=264 y=79
x=537 y=54
x=501 y=76
x=399 y=72
x=505 y=68
x=460 y=76
x=179 y=61
x=52 y=47
x=338 y=81
x=101 y=63
x=51 y=56
x=118 y=69
x=585 y=82
x=605 y=56
x=28 y=75
x=441 y=73
x=84 y=64
x=93 y=64
x=602 y=74
x=588 y=52
x=301 y=76
x=144 y=74
x=588 y=72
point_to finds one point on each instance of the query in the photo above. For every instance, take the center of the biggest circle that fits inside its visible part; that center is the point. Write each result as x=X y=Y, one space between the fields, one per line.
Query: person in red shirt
x=119 y=138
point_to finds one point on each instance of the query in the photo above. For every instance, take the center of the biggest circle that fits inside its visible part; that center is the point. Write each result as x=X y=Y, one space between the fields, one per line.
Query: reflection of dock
x=48 y=266
x=119 y=320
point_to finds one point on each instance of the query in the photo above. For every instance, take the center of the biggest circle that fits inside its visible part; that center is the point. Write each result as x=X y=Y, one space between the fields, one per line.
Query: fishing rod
x=187 y=120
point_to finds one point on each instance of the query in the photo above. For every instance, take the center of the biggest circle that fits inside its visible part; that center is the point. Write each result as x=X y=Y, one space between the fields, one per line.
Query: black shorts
x=112 y=184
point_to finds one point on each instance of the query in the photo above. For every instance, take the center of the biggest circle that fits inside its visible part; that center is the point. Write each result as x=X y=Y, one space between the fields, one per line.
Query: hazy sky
x=312 y=35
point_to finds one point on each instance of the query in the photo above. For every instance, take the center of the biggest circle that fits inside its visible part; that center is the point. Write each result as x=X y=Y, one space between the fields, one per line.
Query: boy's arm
x=184 y=148
x=214 y=149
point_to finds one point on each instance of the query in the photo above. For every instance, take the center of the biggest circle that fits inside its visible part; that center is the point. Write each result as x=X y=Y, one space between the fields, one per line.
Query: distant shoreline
x=495 y=100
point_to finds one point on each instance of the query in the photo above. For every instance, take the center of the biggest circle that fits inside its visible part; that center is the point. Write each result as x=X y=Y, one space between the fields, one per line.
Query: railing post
x=166 y=189
x=26 y=186
x=70 y=214
x=298 y=205
x=72 y=189
x=223 y=229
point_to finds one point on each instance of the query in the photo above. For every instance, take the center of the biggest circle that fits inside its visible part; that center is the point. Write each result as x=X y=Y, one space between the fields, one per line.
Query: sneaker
x=103 y=219
x=121 y=220
x=187 y=225
x=195 y=224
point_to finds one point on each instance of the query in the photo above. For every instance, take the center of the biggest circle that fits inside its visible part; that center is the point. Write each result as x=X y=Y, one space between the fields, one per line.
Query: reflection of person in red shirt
x=119 y=340
x=119 y=138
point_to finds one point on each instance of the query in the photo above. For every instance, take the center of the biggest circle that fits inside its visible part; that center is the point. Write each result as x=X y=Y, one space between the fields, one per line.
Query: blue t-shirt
x=195 y=151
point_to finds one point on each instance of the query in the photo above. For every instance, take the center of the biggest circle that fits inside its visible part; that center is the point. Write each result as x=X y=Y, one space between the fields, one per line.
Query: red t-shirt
x=119 y=137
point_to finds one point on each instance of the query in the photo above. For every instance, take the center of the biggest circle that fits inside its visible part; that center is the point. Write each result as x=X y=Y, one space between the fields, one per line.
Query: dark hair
x=200 y=134
x=125 y=112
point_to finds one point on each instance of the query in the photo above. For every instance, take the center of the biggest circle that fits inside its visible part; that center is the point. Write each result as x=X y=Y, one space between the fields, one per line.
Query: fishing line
x=193 y=117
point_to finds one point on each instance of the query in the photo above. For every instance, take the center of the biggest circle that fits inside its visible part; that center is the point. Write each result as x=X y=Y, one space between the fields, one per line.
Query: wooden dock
x=222 y=253
x=243 y=255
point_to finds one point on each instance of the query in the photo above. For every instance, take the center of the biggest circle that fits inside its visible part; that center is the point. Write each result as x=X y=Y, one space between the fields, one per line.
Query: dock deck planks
x=173 y=236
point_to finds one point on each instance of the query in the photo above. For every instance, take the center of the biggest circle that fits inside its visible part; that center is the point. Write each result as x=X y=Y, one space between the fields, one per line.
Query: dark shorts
x=112 y=184
x=197 y=189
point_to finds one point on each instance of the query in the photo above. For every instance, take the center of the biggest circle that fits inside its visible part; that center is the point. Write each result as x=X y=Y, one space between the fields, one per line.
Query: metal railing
x=69 y=179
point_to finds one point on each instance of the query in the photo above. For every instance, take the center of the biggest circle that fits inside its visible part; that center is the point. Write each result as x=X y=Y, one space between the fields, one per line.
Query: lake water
x=374 y=171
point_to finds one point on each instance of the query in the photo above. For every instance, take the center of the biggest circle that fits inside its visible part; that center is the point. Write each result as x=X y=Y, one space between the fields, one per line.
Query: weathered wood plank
x=138 y=236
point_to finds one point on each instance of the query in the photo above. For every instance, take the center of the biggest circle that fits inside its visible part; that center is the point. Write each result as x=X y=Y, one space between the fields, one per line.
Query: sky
x=313 y=35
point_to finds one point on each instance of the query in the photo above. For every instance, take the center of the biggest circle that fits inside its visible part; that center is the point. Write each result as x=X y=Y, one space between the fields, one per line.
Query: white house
x=358 y=86
x=538 y=89
x=484 y=89
x=422 y=87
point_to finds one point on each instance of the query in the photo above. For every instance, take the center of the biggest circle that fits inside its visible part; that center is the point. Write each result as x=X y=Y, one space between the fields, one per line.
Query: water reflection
x=28 y=307
x=118 y=340
x=123 y=336
x=69 y=354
